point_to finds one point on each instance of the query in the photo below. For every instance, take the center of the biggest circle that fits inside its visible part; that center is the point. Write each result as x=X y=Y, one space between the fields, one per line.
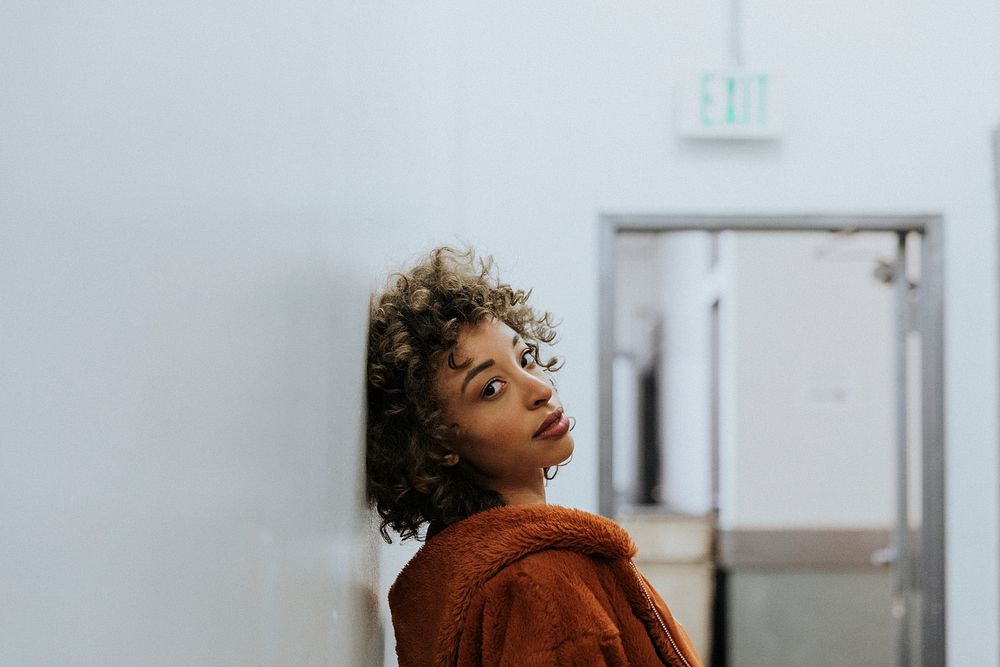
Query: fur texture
x=532 y=585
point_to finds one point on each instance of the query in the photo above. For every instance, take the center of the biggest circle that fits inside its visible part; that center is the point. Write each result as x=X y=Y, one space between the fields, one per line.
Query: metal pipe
x=607 y=247
x=736 y=33
x=932 y=544
x=901 y=569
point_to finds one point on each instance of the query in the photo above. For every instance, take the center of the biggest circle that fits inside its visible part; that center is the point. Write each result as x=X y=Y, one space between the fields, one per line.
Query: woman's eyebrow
x=472 y=373
x=483 y=366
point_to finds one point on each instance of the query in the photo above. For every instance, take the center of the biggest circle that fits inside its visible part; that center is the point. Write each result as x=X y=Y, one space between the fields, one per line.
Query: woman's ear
x=450 y=459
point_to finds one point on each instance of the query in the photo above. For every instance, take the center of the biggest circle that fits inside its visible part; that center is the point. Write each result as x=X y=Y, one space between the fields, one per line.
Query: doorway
x=762 y=570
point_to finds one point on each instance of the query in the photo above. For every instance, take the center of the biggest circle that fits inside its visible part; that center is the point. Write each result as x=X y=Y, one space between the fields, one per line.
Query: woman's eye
x=527 y=359
x=492 y=388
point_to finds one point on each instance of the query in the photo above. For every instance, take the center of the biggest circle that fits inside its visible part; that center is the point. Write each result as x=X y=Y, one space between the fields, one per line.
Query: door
x=852 y=552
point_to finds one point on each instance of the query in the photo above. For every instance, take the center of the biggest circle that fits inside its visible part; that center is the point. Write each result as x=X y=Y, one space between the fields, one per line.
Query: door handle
x=885 y=556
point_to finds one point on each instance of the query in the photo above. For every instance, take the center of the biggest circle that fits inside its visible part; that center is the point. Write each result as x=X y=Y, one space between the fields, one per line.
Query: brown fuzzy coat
x=530 y=585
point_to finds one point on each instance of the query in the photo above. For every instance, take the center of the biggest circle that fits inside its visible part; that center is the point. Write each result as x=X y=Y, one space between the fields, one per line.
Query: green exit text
x=733 y=101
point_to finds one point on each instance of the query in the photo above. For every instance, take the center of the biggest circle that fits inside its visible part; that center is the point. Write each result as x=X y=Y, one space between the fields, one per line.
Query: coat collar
x=443 y=576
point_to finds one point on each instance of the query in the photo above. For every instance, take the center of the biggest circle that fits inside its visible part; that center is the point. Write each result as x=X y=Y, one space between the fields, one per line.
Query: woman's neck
x=528 y=492
x=524 y=497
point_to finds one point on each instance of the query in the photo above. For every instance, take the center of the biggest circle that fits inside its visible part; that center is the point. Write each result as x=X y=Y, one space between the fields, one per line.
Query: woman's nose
x=539 y=390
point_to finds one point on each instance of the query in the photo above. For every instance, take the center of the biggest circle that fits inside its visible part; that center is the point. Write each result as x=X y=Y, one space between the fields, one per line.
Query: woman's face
x=508 y=418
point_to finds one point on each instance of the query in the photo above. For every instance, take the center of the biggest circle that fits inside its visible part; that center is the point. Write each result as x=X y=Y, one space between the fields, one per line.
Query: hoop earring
x=545 y=471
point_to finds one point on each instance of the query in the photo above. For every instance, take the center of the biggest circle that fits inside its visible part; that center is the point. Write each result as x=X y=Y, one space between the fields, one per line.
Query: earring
x=450 y=459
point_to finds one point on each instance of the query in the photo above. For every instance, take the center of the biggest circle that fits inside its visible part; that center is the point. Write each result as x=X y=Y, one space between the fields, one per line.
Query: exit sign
x=729 y=104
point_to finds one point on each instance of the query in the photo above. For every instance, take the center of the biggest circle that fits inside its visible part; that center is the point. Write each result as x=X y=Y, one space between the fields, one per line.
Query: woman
x=464 y=427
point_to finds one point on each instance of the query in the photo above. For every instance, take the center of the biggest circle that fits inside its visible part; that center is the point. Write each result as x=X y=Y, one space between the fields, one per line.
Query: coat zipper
x=656 y=612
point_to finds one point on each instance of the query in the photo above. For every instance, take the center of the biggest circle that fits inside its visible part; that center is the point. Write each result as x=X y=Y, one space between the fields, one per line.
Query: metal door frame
x=930 y=573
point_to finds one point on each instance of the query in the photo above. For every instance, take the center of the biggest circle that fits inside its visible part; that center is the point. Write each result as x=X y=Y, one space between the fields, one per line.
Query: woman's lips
x=555 y=426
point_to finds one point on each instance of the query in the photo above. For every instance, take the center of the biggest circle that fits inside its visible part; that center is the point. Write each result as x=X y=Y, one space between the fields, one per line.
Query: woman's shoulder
x=476 y=549
x=530 y=528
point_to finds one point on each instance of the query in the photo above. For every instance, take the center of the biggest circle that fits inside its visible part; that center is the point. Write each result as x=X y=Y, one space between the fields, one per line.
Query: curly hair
x=414 y=326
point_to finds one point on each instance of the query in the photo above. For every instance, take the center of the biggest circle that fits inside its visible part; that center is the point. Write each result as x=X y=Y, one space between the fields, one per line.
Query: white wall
x=181 y=341
x=515 y=124
x=689 y=286
x=396 y=140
